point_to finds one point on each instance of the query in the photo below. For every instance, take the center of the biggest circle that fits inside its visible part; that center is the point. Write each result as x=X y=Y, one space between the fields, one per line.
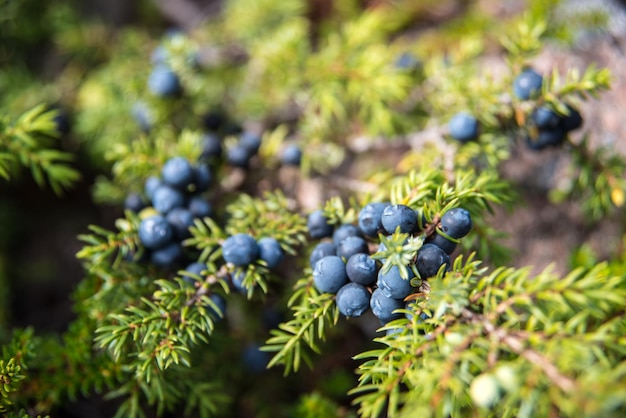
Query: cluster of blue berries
x=176 y=201
x=343 y=264
x=548 y=128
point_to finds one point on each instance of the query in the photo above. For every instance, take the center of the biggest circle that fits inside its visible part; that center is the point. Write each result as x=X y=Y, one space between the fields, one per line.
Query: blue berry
x=214 y=119
x=362 y=269
x=250 y=141
x=167 y=256
x=456 y=222
x=402 y=216
x=393 y=285
x=429 y=259
x=270 y=252
x=329 y=274
x=545 y=118
x=527 y=84
x=211 y=146
x=134 y=202
x=238 y=156
x=151 y=185
x=442 y=242
x=155 y=232
x=410 y=307
x=407 y=61
x=166 y=198
x=159 y=55
x=199 y=207
x=546 y=138
x=163 y=82
x=201 y=178
x=240 y=249
x=383 y=306
x=344 y=231
x=350 y=246
x=177 y=172
x=573 y=120
x=353 y=300
x=321 y=250
x=254 y=359
x=318 y=225
x=463 y=127
x=142 y=115
x=181 y=220
x=195 y=269
x=370 y=218
x=237 y=282
x=291 y=155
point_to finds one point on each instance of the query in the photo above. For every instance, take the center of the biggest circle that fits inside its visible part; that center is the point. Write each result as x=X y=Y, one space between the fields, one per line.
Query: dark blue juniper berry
x=322 y=249
x=168 y=256
x=181 y=220
x=344 y=231
x=527 y=84
x=155 y=232
x=362 y=269
x=429 y=259
x=370 y=218
x=402 y=216
x=240 y=249
x=134 y=202
x=545 y=118
x=393 y=285
x=353 y=300
x=163 y=81
x=211 y=146
x=195 y=270
x=383 y=307
x=254 y=359
x=220 y=304
x=546 y=138
x=151 y=184
x=250 y=141
x=318 y=225
x=237 y=282
x=456 y=222
x=238 y=156
x=291 y=155
x=270 y=252
x=165 y=198
x=329 y=274
x=572 y=121
x=177 y=172
x=199 y=207
x=142 y=115
x=442 y=242
x=351 y=245
x=463 y=127
x=201 y=178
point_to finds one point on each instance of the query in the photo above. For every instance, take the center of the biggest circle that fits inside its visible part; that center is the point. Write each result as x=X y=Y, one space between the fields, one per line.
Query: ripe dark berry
x=195 y=269
x=155 y=232
x=527 y=84
x=463 y=127
x=254 y=359
x=240 y=249
x=151 y=185
x=572 y=121
x=220 y=304
x=199 y=207
x=329 y=274
x=393 y=285
x=370 y=218
x=402 y=216
x=350 y=246
x=201 y=178
x=318 y=225
x=545 y=118
x=546 y=138
x=383 y=306
x=177 y=172
x=250 y=141
x=211 y=146
x=142 y=115
x=344 y=231
x=237 y=282
x=214 y=120
x=270 y=251
x=362 y=269
x=238 y=156
x=181 y=220
x=163 y=82
x=456 y=222
x=442 y=242
x=134 y=202
x=168 y=256
x=166 y=198
x=353 y=300
x=322 y=250
x=291 y=155
x=429 y=259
